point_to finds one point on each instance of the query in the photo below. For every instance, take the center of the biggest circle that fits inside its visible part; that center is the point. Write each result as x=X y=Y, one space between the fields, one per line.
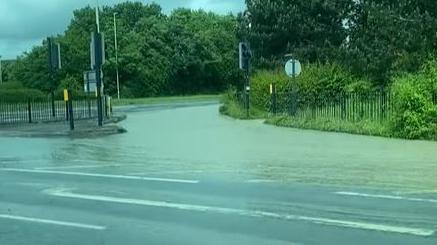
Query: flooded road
x=198 y=140
x=190 y=176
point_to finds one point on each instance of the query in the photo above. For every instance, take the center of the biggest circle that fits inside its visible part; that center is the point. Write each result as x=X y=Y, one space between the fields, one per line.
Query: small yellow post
x=66 y=95
x=271 y=88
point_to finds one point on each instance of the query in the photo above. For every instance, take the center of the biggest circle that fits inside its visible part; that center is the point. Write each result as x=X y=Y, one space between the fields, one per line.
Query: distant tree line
x=189 y=52
x=185 y=52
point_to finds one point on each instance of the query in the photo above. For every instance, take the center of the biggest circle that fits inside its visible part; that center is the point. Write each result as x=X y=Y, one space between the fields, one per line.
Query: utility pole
x=116 y=56
x=98 y=66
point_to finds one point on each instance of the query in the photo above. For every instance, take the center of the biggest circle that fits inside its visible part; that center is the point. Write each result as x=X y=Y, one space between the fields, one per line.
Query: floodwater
x=197 y=141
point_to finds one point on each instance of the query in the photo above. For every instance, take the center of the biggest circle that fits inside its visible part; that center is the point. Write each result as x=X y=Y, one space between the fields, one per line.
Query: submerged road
x=154 y=186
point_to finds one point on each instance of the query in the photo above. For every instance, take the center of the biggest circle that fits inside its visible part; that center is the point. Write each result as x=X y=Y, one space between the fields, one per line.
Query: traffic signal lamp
x=245 y=56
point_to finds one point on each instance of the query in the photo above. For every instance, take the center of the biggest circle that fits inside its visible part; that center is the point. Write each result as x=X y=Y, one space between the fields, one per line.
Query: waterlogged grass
x=165 y=100
x=365 y=127
x=233 y=109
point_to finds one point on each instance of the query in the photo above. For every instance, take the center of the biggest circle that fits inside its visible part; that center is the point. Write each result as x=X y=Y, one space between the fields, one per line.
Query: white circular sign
x=293 y=68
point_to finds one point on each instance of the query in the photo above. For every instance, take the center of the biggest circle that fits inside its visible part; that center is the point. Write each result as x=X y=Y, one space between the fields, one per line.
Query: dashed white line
x=242 y=212
x=52 y=222
x=80 y=166
x=258 y=181
x=126 y=177
x=413 y=199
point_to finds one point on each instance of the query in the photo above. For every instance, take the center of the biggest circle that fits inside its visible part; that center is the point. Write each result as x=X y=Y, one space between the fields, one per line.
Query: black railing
x=45 y=111
x=345 y=106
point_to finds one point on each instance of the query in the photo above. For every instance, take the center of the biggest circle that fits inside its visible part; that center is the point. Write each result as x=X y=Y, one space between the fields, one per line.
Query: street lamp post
x=116 y=56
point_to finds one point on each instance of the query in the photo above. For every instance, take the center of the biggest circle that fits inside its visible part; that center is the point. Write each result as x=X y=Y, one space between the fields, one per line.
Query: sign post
x=273 y=94
x=293 y=69
x=97 y=60
x=245 y=57
x=69 y=103
x=55 y=64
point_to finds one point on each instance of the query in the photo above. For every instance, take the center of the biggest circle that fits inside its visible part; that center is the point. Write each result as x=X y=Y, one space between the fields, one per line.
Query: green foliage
x=332 y=125
x=260 y=86
x=234 y=108
x=311 y=30
x=165 y=100
x=184 y=53
x=70 y=83
x=323 y=81
x=11 y=85
x=317 y=81
x=415 y=116
x=21 y=95
x=15 y=92
x=387 y=38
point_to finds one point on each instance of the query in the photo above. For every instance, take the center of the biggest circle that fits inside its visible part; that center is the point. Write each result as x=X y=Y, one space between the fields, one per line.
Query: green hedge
x=316 y=81
x=11 y=86
x=21 y=95
x=415 y=114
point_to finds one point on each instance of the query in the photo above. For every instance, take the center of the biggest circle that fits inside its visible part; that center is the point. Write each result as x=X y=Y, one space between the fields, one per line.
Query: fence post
x=383 y=100
x=70 y=110
x=53 y=104
x=293 y=100
x=89 y=106
x=29 y=110
x=273 y=98
x=67 y=116
x=343 y=105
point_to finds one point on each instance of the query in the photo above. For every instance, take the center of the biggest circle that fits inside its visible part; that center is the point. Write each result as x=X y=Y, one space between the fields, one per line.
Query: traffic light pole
x=247 y=92
x=98 y=69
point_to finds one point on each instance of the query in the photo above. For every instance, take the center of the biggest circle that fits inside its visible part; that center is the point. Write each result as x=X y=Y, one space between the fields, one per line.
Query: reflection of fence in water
x=45 y=111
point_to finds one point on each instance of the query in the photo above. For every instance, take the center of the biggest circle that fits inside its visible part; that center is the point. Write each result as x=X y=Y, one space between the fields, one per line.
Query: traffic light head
x=245 y=56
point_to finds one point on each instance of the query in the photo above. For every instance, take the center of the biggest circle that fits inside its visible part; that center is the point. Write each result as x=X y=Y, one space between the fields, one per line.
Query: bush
x=325 y=81
x=414 y=112
x=233 y=107
x=316 y=81
x=21 y=95
x=11 y=85
x=260 y=86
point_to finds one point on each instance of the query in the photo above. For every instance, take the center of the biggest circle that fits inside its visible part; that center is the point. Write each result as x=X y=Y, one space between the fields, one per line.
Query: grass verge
x=334 y=125
x=235 y=110
x=163 y=100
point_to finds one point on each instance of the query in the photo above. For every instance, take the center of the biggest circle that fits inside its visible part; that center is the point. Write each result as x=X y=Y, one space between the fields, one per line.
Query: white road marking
x=168 y=172
x=127 y=177
x=257 y=181
x=416 y=192
x=242 y=212
x=413 y=199
x=80 y=166
x=52 y=222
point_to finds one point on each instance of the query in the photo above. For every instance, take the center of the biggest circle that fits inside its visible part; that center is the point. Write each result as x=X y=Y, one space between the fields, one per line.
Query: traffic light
x=245 y=56
x=54 y=55
x=97 y=47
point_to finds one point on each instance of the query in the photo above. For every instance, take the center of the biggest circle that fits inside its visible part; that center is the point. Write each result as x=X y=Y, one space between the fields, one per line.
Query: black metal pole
x=98 y=66
x=247 y=91
x=99 y=98
x=29 y=110
x=274 y=99
x=53 y=104
x=70 y=110
x=66 y=111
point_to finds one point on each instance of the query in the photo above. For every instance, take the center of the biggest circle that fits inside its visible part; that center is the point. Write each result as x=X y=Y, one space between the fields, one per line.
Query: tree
x=311 y=30
x=389 y=37
x=184 y=53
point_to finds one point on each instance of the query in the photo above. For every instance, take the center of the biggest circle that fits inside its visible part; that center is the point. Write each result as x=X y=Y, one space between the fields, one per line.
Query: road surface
x=186 y=175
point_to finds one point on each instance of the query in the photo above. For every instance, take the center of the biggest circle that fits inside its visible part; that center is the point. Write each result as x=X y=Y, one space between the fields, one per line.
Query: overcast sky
x=25 y=23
